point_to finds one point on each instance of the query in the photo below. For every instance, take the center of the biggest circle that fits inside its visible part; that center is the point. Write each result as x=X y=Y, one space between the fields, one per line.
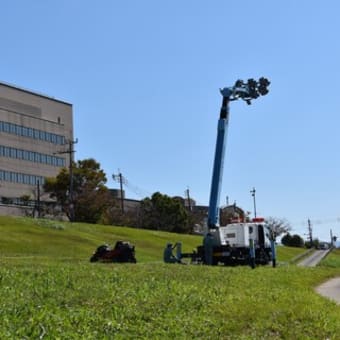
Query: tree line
x=89 y=200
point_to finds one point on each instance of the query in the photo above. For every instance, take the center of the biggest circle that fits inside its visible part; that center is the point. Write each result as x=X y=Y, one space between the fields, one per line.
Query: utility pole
x=188 y=198
x=253 y=192
x=310 y=232
x=38 y=198
x=333 y=240
x=70 y=151
x=331 y=234
x=120 y=179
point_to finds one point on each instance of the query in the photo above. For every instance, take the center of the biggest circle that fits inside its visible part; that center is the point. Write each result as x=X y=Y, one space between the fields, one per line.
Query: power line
x=129 y=185
x=318 y=221
x=137 y=190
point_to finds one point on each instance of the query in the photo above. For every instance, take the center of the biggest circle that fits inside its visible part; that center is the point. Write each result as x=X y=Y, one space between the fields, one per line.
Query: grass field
x=49 y=290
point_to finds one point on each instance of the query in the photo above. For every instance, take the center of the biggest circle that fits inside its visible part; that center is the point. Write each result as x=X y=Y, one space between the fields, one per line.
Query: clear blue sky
x=144 y=79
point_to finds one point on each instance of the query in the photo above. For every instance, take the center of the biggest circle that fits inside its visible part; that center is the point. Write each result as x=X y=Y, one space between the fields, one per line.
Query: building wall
x=33 y=131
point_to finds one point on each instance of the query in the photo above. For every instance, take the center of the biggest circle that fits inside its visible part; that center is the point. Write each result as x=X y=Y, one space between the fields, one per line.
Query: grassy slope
x=332 y=260
x=21 y=237
x=58 y=293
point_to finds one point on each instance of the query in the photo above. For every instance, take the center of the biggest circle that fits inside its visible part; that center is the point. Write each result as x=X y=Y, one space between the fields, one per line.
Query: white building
x=34 y=132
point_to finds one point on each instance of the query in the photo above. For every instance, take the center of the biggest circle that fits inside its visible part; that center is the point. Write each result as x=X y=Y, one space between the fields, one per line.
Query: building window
x=24 y=131
x=31 y=156
x=6 y=127
x=20 y=130
x=25 y=155
x=36 y=134
x=6 y=153
x=11 y=176
x=13 y=153
x=7 y=176
x=20 y=178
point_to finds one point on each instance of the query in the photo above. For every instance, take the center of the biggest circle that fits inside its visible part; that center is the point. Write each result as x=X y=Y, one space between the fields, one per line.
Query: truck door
x=261 y=237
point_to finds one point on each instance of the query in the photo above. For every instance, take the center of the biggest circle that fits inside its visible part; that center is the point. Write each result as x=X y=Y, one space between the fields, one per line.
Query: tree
x=314 y=244
x=90 y=195
x=278 y=226
x=292 y=240
x=161 y=212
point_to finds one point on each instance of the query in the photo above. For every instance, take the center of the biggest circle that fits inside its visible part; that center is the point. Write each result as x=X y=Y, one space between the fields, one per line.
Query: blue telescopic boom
x=216 y=183
x=248 y=91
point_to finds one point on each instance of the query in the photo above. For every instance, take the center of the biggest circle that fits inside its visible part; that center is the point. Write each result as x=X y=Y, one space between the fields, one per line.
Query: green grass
x=22 y=237
x=332 y=259
x=49 y=290
x=289 y=254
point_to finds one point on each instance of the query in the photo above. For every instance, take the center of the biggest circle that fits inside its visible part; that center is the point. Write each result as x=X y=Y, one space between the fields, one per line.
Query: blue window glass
x=7 y=176
x=18 y=130
x=14 y=177
x=26 y=155
x=20 y=178
x=6 y=151
x=31 y=156
x=12 y=128
x=13 y=153
x=19 y=154
x=36 y=134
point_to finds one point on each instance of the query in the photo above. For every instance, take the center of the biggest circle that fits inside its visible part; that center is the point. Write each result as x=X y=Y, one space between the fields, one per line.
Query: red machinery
x=122 y=252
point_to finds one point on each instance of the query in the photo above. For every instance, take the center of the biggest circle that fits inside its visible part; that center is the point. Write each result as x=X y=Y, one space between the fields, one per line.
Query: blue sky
x=144 y=79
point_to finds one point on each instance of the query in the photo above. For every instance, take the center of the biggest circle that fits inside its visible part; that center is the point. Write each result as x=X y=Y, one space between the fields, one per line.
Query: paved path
x=313 y=259
x=330 y=289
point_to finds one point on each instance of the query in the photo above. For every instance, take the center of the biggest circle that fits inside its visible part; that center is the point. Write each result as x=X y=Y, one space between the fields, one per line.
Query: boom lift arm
x=246 y=91
x=235 y=243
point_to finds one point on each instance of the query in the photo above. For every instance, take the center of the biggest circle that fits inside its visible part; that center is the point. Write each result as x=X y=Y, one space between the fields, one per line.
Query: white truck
x=239 y=243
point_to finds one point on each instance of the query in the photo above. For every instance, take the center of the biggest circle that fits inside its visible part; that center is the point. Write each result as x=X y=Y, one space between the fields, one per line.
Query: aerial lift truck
x=241 y=242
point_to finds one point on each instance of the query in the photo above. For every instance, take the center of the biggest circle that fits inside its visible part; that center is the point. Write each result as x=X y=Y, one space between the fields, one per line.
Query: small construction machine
x=123 y=252
x=241 y=242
